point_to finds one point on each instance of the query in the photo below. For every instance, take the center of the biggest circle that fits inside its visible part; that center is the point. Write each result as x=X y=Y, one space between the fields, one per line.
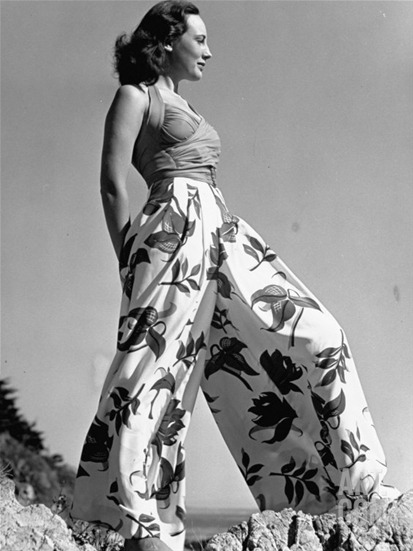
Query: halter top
x=173 y=142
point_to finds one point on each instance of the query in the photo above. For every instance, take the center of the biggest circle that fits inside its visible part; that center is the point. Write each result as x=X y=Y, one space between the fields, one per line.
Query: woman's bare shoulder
x=131 y=95
x=129 y=104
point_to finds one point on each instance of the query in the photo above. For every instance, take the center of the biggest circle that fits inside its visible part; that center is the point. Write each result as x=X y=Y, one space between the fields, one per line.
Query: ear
x=168 y=47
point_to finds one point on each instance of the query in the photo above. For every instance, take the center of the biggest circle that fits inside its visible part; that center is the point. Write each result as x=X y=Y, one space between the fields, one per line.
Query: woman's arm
x=122 y=126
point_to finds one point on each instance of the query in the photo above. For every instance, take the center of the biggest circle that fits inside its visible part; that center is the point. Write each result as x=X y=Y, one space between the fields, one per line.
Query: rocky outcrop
x=32 y=528
x=381 y=525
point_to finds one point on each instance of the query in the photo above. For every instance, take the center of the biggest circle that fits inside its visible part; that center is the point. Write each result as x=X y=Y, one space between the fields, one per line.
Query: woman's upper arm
x=122 y=125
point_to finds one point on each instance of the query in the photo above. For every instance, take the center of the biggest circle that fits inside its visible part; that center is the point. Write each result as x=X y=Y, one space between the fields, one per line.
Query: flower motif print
x=176 y=228
x=282 y=371
x=282 y=303
x=229 y=229
x=227 y=357
x=272 y=413
x=143 y=324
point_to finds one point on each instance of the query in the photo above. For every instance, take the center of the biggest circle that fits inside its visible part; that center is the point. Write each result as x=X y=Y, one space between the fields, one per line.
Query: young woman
x=206 y=302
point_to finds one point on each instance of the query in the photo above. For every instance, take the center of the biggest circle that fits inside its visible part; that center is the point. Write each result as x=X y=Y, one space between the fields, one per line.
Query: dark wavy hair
x=140 y=57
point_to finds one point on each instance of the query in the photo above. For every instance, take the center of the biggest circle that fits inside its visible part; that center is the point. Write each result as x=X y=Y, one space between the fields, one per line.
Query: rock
x=31 y=528
x=382 y=525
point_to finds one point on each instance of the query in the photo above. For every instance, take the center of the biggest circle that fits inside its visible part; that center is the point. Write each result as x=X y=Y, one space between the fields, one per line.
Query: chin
x=194 y=78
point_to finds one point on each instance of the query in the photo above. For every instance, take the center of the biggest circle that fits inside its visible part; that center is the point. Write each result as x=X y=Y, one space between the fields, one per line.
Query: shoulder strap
x=156 y=109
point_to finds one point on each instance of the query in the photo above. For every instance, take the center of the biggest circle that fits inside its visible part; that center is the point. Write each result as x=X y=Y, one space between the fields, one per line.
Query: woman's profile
x=207 y=303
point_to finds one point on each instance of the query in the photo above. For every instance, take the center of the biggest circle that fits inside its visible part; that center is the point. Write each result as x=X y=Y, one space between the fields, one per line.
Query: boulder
x=32 y=528
x=381 y=525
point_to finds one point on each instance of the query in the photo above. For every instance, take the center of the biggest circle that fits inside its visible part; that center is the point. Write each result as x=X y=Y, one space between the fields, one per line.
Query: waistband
x=204 y=174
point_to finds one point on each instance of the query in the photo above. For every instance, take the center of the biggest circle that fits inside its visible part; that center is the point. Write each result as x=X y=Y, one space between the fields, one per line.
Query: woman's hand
x=122 y=126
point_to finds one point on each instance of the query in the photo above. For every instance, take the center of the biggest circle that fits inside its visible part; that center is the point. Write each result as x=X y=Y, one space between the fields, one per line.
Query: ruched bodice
x=174 y=142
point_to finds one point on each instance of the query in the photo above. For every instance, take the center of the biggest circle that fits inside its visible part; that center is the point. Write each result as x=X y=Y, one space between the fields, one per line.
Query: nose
x=207 y=52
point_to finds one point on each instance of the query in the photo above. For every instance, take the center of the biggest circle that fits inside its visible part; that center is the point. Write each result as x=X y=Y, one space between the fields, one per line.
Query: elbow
x=111 y=189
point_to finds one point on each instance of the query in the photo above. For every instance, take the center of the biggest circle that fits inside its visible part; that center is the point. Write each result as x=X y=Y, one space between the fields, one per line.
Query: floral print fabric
x=206 y=302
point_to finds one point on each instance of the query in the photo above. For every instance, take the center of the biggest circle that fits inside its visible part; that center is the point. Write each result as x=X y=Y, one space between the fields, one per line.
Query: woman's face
x=188 y=55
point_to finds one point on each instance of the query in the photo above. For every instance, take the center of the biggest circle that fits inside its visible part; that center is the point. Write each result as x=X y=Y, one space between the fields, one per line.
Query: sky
x=314 y=106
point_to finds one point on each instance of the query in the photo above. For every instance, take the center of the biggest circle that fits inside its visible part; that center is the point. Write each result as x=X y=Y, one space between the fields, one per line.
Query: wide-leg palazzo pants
x=206 y=302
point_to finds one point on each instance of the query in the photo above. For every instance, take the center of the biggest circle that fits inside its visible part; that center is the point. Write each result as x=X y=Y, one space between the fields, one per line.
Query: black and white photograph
x=206 y=275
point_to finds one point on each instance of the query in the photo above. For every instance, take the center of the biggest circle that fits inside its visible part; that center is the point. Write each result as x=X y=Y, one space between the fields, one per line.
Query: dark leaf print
x=113 y=487
x=180 y=513
x=353 y=441
x=125 y=416
x=170 y=426
x=217 y=251
x=253 y=479
x=328 y=378
x=255 y=468
x=309 y=474
x=305 y=302
x=155 y=342
x=352 y=449
x=153 y=530
x=334 y=359
x=301 y=470
x=326 y=454
x=289 y=489
x=269 y=257
x=210 y=401
x=250 y=470
x=123 y=393
x=81 y=472
x=296 y=481
x=335 y=407
x=140 y=256
x=193 y=284
x=257 y=244
x=176 y=268
x=220 y=319
x=347 y=449
x=125 y=252
x=327 y=363
x=299 y=492
x=195 y=270
x=313 y=489
x=245 y=458
x=288 y=467
x=182 y=287
x=159 y=195
x=328 y=352
x=182 y=283
x=188 y=354
x=167 y=382
x=114 y=499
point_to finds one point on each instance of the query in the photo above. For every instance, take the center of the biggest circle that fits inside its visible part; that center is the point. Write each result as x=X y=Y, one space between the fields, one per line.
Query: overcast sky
x=313 y=103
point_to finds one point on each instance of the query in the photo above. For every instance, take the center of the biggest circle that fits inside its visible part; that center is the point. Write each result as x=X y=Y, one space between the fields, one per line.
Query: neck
x=165 y=81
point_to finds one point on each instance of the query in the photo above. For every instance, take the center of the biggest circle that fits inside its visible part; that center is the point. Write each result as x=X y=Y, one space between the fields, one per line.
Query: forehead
x=195 y=25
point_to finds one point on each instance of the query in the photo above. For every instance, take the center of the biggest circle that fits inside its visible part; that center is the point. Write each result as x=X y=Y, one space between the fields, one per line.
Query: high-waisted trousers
x=207 y=303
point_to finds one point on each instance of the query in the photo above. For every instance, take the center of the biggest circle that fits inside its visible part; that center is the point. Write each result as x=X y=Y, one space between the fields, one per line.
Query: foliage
x=13 y=423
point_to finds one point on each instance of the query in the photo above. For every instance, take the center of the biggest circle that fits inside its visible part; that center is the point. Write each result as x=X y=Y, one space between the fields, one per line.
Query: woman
x=206 y=302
